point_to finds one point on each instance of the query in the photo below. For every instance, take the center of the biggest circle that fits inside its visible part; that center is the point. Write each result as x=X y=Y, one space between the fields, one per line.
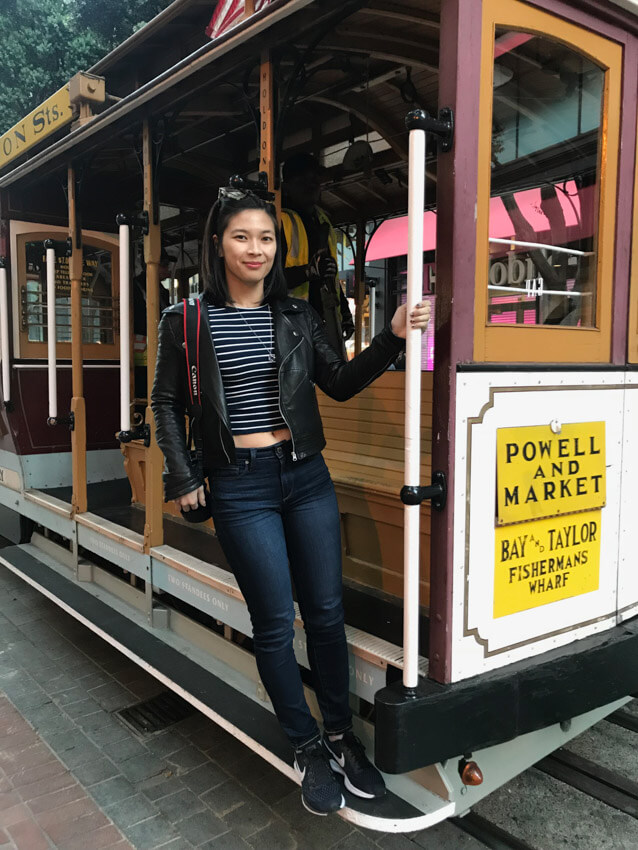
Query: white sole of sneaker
x=336 y=767
x=320 y=814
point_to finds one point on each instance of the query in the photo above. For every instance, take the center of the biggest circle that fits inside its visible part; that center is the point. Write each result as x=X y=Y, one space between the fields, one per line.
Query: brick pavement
x=191 y=786
x=41 y=804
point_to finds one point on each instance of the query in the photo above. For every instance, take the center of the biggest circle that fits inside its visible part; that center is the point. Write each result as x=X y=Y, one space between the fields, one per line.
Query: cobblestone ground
x=74 y=777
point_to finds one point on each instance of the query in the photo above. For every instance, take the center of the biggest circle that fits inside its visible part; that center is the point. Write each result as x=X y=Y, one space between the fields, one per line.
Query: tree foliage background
x=45 y=42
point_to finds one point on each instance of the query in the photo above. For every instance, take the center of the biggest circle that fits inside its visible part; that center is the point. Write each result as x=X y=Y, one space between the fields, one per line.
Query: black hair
x=213 y=269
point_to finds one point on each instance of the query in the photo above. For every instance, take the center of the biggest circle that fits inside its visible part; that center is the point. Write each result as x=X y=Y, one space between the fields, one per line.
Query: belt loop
x=251 y=459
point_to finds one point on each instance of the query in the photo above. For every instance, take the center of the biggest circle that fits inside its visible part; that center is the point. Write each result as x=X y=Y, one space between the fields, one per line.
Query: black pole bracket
x=441 y=127
x=69 y=420
x=137 y=222
x=140 y=432
x=437 y=491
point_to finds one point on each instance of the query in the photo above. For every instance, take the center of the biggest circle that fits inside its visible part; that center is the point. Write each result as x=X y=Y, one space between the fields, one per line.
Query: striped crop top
x=245 y=347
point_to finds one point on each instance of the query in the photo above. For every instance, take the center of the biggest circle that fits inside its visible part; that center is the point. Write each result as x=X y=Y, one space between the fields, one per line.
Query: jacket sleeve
x=168 y=401
x=341 y=379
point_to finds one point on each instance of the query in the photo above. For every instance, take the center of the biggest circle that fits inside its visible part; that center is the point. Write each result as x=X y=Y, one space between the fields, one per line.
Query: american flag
x=228 y=13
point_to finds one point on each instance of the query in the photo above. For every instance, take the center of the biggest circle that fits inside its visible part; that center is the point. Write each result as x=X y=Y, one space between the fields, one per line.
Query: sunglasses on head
x=228 y=193
x=242 y=187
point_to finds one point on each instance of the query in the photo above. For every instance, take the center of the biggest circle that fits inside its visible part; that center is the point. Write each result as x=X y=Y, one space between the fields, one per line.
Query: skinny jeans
x=276 y=518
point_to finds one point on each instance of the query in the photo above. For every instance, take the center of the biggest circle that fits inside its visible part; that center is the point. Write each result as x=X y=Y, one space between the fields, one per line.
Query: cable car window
x=546 y=148
x=97 y=298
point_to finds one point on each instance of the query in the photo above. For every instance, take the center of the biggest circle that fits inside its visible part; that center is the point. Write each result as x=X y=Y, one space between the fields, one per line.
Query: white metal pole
x=51 y=334
x=125 y=336
x=416 y=203
x=4 y=339
x=372 y=289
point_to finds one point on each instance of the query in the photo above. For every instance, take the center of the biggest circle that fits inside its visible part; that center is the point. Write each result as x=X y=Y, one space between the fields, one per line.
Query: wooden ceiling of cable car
x=354 y=83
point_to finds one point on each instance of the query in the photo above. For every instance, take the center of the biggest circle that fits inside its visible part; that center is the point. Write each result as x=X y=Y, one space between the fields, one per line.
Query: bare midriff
x=262 y=439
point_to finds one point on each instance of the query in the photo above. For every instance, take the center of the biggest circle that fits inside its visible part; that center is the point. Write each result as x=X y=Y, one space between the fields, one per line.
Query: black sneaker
x=348 y=757
x=320 y=789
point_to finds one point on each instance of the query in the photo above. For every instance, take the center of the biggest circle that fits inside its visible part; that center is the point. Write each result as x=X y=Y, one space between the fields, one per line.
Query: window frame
x=24 y=232
x=534 y=343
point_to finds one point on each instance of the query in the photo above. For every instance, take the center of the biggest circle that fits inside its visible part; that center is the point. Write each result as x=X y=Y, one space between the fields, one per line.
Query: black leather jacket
x=304 y=357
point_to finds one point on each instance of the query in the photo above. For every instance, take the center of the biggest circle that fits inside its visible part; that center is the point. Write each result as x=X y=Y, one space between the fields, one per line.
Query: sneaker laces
x=315 y=760
x=356 y=751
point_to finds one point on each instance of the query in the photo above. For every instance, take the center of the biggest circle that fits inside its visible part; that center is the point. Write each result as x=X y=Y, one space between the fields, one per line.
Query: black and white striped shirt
x=245 y=347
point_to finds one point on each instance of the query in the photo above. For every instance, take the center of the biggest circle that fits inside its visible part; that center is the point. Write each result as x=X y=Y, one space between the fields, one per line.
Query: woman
x=272 y=499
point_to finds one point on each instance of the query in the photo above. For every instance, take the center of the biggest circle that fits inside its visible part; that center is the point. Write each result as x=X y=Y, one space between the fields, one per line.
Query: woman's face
x=248 y=246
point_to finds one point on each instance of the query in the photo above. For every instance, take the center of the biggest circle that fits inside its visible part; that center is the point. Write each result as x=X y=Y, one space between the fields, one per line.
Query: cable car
x=480 y=153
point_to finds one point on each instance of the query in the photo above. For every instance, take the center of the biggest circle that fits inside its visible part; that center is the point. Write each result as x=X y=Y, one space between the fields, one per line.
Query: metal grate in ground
x=155 y=714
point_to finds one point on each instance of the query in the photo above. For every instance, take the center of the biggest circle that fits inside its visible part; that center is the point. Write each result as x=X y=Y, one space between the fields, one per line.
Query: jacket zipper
x=290 y=353
x=221 y=440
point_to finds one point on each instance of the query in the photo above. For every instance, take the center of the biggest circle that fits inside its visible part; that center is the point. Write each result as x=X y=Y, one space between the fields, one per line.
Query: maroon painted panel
x=460 y=53
x=28 y=420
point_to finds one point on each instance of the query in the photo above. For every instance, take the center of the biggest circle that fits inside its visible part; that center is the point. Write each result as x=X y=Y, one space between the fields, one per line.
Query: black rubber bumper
x=444 y=721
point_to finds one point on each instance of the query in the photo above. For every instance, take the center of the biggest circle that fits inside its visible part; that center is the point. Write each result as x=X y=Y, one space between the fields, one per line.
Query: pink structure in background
x=563 y=218
x=574 y=218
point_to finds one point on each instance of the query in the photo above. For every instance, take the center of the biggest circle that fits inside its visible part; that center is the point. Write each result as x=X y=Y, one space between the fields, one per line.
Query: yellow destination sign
x=46 y=119
x=545 y=561
x=542 y=474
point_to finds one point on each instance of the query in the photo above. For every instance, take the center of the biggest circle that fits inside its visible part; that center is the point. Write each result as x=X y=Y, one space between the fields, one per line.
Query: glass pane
x=546 y=137
x=97 y=295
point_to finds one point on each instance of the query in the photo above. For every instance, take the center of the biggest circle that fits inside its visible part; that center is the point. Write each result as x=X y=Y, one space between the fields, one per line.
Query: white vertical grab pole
x=416 y=203
x=51 y=333
x=4 y=334
x=125 y=335
x=372 y=290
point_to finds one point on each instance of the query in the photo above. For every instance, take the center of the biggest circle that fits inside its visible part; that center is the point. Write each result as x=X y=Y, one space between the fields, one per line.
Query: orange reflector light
x=471 y=773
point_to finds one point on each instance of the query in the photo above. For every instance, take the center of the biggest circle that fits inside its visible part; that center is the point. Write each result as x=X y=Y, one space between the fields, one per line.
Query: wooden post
x=268 y=159
x=78 y=434
x=153 y=527
x=249 y=8
x=359 y=284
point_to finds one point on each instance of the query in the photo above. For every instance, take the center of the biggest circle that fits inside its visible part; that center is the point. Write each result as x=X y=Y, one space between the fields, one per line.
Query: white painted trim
x=54 y=469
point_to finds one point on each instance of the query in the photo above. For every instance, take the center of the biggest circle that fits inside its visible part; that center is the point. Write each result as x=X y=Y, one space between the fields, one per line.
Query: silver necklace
x=269 y=351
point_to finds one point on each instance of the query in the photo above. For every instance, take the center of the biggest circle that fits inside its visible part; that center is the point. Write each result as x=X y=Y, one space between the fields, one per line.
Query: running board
x=215 y=591
x=207 y=687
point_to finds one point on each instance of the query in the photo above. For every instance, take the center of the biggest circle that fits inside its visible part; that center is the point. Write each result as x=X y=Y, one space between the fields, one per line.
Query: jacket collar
x=286 y=305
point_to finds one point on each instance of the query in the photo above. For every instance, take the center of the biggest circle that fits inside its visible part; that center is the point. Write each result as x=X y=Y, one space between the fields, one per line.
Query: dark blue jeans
x=275 y=517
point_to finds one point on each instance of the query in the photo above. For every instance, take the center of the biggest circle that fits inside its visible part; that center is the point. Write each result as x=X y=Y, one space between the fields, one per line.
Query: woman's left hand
x=419 y=319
